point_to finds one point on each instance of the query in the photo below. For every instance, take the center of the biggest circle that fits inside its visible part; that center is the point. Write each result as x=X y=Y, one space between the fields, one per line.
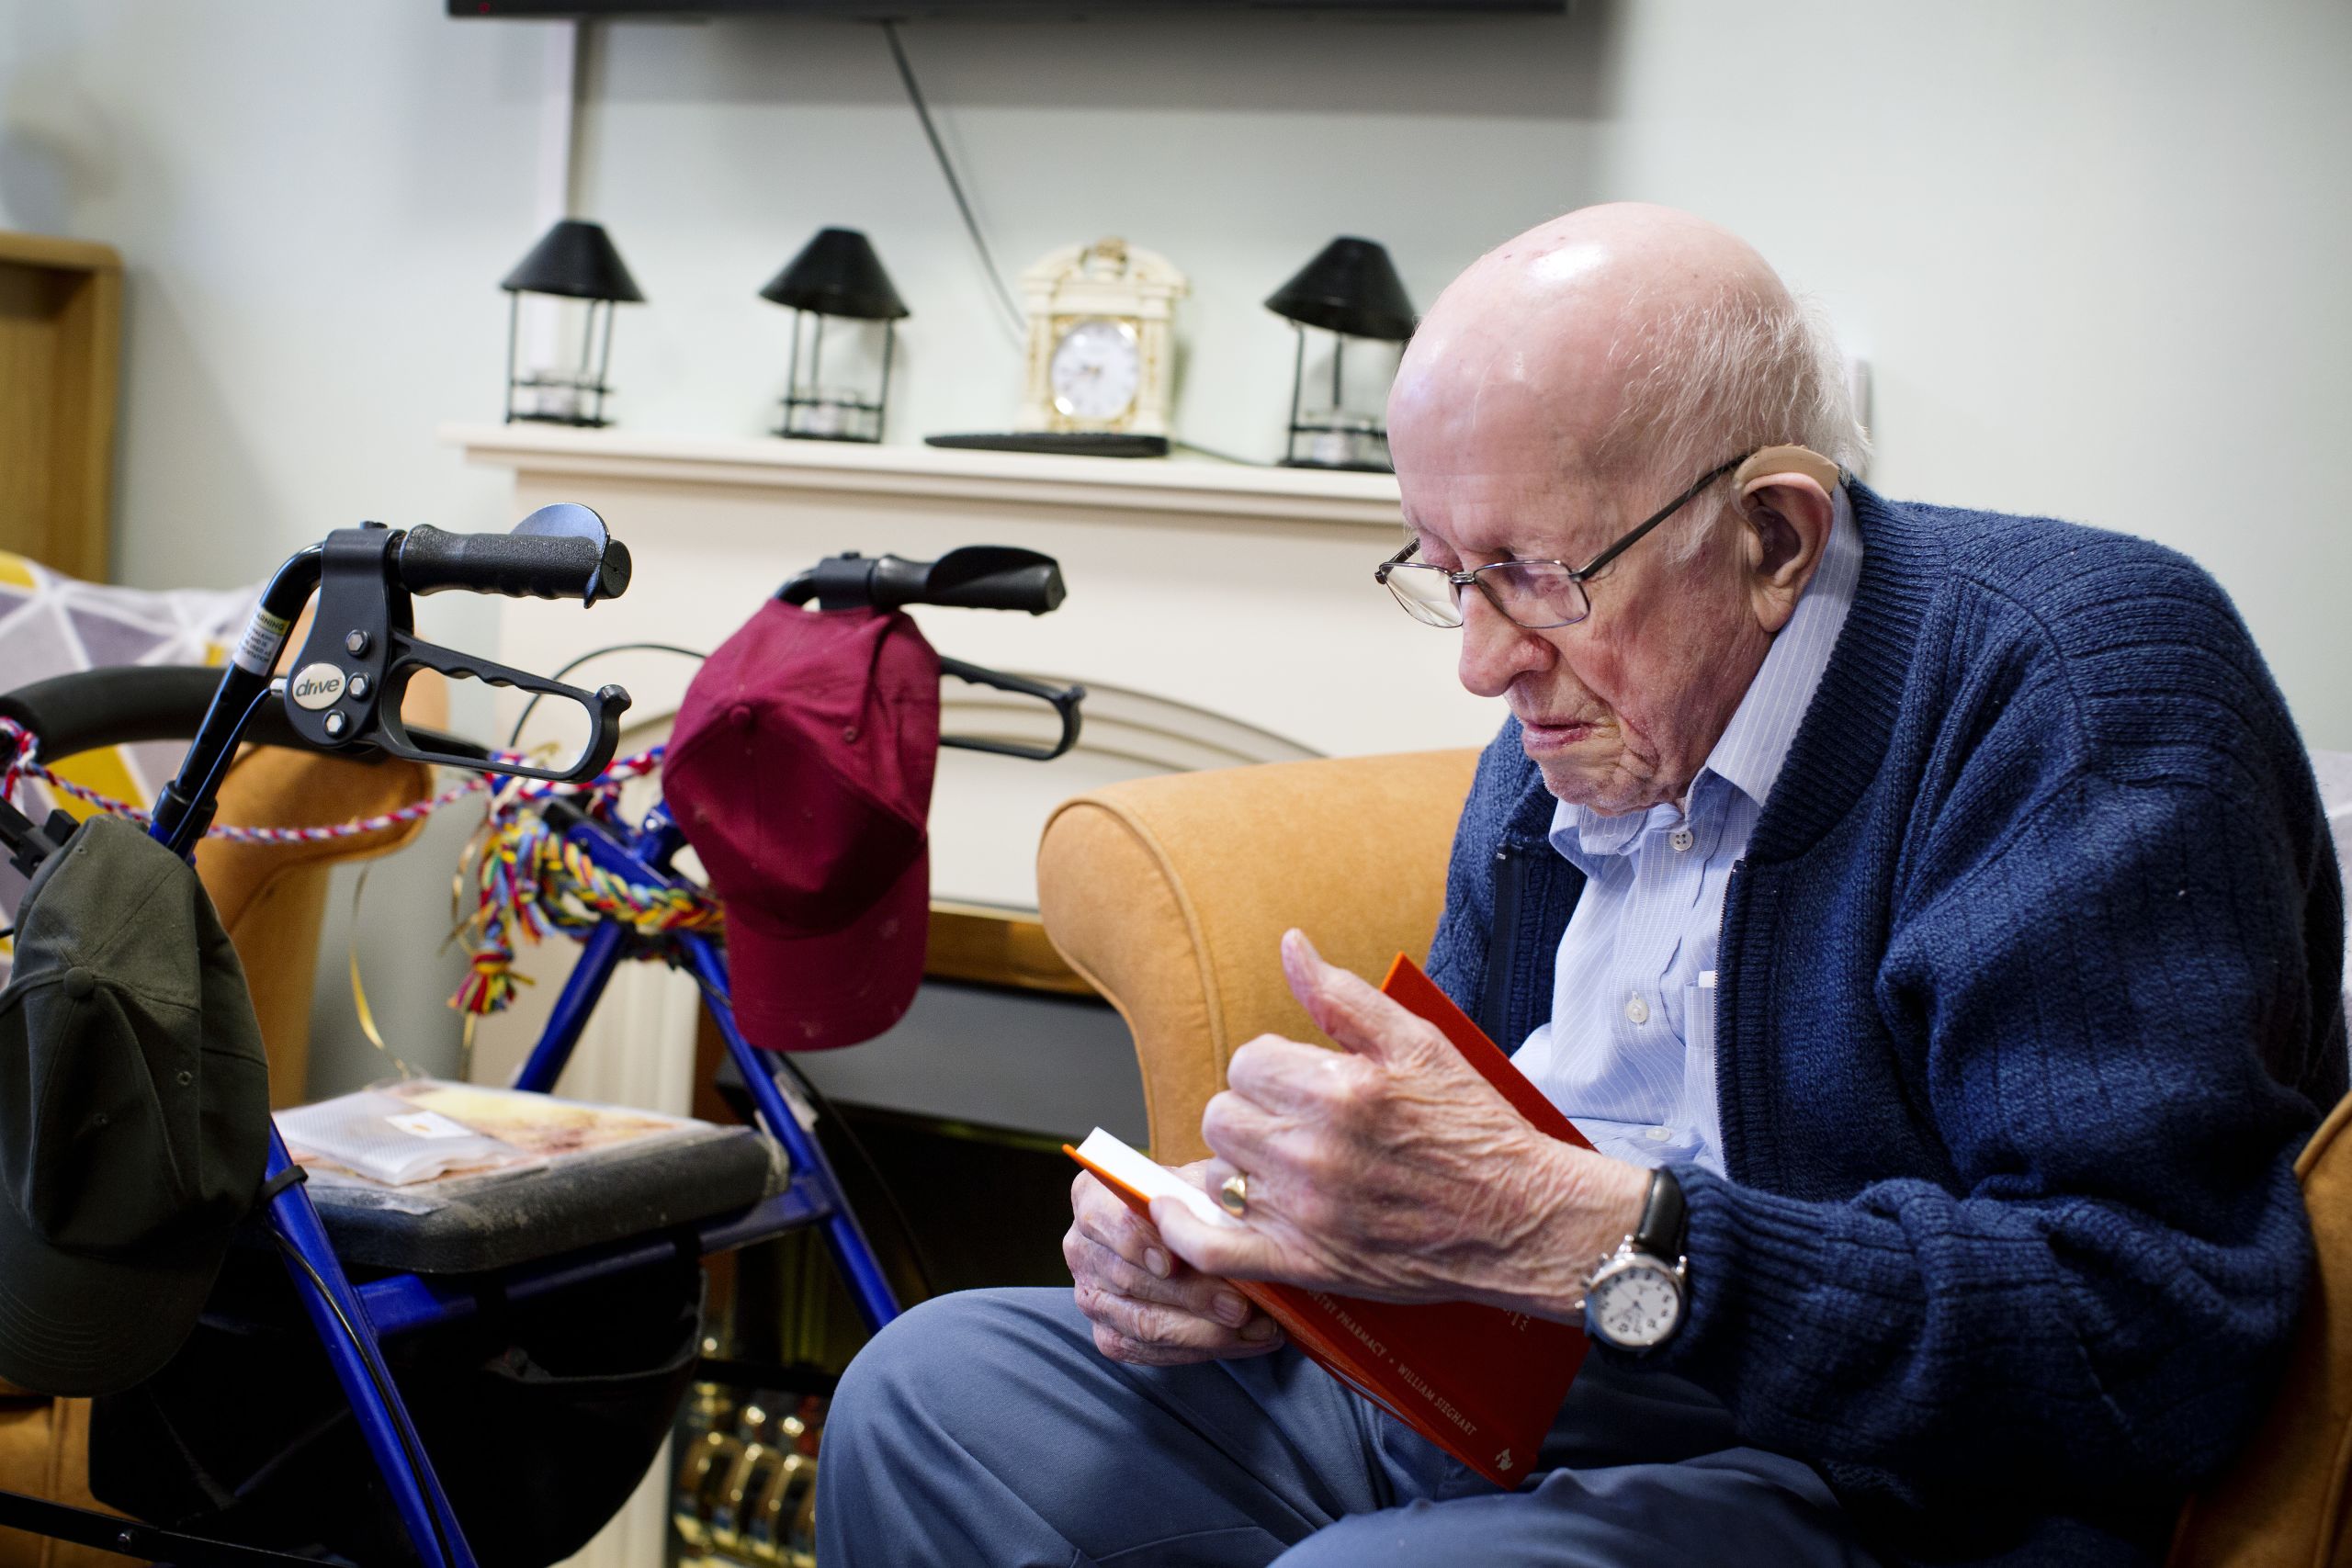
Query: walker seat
x=479 y=1224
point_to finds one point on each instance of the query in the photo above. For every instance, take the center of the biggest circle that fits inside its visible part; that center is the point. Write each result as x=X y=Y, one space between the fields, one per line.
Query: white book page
x=1150 y=1178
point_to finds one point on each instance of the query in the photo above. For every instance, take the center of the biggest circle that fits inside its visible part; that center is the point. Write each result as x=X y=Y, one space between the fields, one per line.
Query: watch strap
x=1664 y=1217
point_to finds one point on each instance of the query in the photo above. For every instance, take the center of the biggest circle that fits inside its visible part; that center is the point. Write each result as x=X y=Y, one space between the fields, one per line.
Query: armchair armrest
x=272 y=897
x=1170 y=895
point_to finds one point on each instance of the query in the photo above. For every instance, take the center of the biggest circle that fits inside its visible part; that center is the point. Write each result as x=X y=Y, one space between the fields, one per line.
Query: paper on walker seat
x=404 y=1134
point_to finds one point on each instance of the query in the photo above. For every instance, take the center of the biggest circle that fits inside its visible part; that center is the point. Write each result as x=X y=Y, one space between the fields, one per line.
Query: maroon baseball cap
x=800 y=770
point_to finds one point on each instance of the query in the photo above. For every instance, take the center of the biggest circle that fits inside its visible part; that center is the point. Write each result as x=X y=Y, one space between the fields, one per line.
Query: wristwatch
x=1634 y=1301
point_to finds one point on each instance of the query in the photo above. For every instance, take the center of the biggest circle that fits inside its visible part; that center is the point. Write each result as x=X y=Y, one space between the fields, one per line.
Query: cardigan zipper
x=1502 y=943
x=1723 y=1008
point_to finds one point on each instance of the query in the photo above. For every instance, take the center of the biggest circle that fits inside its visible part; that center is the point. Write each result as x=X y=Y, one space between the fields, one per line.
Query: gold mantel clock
x=1099 y=317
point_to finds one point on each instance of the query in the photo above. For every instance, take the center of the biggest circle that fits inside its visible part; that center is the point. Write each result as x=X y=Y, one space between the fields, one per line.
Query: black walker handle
x=557 y=552
x=977 y=577
x=362 y=648
x=362 y=651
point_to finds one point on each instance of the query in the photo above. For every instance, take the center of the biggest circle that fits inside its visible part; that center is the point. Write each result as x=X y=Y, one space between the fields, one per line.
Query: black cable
x=1014 y=318
x=180 y=840
x=829 y=1111
x=516 y=735
x=1213 y=452
x=399 y=1428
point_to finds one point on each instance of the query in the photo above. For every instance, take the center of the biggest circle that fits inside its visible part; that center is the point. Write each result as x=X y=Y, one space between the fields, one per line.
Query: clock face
x=1095 y=370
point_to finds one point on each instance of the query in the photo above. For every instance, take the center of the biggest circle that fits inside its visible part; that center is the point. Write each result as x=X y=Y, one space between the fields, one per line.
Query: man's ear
x=1788 y=517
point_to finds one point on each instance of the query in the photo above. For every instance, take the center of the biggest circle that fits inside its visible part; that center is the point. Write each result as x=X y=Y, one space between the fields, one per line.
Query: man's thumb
x=1343 y=1005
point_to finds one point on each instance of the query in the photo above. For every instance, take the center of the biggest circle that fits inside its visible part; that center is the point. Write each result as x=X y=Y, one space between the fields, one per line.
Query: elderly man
x=1928 y=916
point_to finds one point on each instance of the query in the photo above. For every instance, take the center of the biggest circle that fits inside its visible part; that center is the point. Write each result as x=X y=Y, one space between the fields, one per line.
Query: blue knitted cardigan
x=2029 y=999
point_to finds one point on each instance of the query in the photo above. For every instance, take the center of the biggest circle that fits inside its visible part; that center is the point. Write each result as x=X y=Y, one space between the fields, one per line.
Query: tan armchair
x=1168 y=894
x=271 y=898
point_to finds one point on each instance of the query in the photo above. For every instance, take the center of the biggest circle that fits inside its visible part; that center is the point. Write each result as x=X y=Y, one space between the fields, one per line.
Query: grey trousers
x=985 y=1429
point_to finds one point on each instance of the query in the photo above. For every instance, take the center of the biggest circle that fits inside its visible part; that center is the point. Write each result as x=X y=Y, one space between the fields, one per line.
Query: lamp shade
x=1350 y=287
x=576 y=259
x=837 y=274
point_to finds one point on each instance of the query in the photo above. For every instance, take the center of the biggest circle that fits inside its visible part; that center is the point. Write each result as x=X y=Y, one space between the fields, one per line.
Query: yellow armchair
x=1168 y=895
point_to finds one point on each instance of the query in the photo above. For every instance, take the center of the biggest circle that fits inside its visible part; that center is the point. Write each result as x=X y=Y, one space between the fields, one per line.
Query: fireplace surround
x=1224 y=614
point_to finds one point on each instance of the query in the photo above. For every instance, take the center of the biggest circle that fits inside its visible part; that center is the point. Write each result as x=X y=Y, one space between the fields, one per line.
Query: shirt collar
x=1748 y=754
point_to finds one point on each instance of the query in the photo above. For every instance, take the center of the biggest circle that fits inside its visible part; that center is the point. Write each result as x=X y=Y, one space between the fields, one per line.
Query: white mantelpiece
x=1103 y=485
x=1241 y=589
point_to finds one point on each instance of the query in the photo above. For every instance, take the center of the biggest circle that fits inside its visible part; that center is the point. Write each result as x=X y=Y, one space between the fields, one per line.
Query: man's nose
x=1495 y=650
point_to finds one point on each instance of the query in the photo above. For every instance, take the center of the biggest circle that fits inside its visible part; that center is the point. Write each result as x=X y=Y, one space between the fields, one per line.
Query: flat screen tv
x=880 y=11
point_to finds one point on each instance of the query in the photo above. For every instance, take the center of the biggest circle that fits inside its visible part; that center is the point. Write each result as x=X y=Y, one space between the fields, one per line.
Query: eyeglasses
x=1536 y=594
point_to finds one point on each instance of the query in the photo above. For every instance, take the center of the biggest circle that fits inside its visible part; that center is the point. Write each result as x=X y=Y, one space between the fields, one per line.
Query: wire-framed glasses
x=1536 y=594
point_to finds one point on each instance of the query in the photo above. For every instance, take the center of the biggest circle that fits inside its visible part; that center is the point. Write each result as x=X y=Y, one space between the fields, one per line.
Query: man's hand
x=1390 y=1168
x=1147 y=1306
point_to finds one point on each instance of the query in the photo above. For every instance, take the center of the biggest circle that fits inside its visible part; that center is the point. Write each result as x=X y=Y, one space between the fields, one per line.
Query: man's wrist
x=1619 y=1214
x=1591 y=1205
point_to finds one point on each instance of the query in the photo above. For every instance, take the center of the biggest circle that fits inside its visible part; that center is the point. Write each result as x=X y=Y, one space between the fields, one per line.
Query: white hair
x=1708 y=382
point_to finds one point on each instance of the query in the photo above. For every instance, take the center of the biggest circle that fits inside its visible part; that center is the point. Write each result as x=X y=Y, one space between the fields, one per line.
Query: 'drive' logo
x=316 y=686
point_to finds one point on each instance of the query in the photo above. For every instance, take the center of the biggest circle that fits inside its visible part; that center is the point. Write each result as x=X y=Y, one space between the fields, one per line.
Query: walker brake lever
x=362 y=652
x=1063 y=700
x=604 y=707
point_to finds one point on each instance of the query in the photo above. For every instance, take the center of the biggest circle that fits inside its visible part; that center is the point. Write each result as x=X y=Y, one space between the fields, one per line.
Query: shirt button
x=1658 y=1134
x=1637 y=1010
x=1682 y=838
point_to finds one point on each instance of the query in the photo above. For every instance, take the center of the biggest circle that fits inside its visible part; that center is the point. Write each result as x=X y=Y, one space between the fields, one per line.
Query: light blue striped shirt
x=1629 y=1053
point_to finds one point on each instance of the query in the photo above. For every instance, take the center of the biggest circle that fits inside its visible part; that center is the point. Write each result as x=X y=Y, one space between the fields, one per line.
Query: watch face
x=1635 y=1306
x=1096 y=369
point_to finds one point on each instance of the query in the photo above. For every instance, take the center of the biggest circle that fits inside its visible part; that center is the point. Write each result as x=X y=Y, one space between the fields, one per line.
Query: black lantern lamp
x=838 y=281
x=575 y=260
x=1349 y=293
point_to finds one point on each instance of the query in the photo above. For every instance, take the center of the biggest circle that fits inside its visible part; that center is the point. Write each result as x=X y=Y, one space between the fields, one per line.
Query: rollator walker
x=365 y=1277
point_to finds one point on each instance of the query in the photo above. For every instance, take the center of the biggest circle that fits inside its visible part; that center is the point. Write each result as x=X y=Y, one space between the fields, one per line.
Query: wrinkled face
x=1621 y=710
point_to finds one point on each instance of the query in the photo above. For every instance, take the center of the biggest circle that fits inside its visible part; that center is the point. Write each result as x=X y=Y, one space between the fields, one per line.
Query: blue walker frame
x=400 y=1303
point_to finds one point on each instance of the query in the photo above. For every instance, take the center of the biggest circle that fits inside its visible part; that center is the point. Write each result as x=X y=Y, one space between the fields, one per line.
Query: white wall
x=310 y=199
x=2097 y=255
x=2097 y=251
x=2094 y=249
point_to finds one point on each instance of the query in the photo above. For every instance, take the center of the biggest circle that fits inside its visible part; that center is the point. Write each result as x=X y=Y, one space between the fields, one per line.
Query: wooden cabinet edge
x=993 y=946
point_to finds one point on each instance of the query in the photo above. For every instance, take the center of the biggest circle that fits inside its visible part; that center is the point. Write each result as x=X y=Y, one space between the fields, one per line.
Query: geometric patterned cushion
x=54 y=624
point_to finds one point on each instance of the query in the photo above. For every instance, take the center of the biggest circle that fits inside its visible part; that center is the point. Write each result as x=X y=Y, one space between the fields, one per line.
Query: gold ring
x=1233 y=1195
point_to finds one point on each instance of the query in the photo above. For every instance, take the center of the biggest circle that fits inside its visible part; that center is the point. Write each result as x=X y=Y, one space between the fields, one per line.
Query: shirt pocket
x=1698 y=1114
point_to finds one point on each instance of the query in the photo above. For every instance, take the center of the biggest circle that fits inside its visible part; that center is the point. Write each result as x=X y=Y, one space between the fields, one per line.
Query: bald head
x=1568 y=386
x=1548 y=351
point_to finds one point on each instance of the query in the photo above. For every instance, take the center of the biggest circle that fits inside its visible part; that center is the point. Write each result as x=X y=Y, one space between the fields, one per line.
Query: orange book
x=1480 y=1383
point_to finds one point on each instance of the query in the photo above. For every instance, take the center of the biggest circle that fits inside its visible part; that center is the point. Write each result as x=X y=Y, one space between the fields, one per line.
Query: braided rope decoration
x=20 y=749
x=529 y=880
x=25 y=763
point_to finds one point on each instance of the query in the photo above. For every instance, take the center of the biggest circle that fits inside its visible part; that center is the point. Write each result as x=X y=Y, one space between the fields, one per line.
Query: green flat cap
x=134 y=1113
